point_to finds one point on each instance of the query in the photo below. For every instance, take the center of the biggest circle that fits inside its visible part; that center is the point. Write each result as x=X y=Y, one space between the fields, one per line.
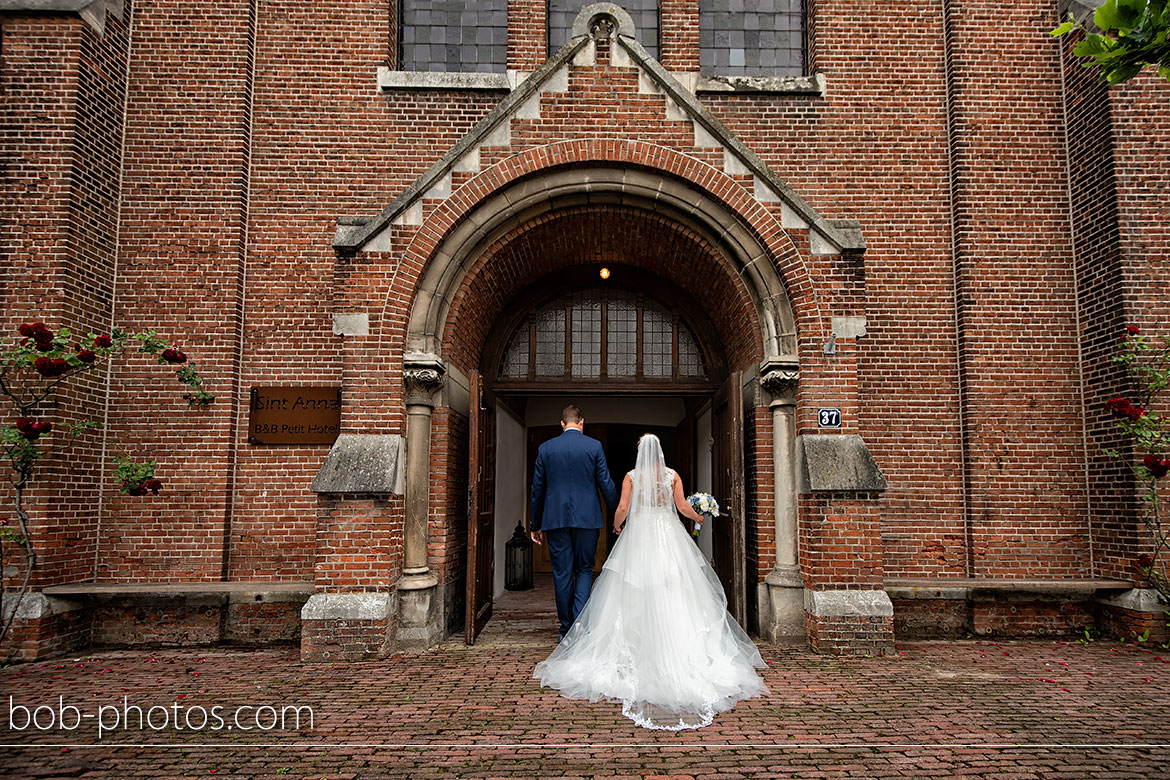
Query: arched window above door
x=601 y=335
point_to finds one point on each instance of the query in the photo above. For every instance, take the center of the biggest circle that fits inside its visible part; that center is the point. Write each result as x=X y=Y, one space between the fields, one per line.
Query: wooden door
x=481 y=487
x=729 y=534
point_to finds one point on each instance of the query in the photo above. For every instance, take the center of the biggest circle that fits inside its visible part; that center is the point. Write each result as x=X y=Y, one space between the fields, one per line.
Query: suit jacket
x=569 y=471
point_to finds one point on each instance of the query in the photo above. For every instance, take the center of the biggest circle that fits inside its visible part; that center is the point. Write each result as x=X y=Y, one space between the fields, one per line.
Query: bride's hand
x=617 y=529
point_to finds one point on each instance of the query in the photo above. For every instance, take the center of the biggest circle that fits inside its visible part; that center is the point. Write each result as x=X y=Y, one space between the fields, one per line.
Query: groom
x=564 y=507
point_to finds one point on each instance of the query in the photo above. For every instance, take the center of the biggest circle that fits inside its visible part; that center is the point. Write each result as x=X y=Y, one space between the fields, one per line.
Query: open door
x=481 y=486
x=730 y=535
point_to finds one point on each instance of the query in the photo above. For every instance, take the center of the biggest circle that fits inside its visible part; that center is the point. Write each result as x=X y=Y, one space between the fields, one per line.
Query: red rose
x=137 y=490
x=50 y=367
x=1132 y=330
x=28 y=328
x=153 y=485
x=1157 y=465
x=103 y=342
x=32 y=430
x=42 y=336
x=1144 y=561
x=86 y=356
x=1120 y=407
x=172 y=355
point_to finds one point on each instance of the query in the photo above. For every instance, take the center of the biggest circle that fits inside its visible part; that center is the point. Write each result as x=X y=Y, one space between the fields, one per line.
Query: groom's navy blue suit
x=570 y=469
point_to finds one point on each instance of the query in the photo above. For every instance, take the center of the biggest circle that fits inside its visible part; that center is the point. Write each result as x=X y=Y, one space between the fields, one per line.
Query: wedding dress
x=655 y=633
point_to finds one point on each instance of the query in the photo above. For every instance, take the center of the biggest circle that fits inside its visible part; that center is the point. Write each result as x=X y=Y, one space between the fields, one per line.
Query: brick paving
x=977 y=709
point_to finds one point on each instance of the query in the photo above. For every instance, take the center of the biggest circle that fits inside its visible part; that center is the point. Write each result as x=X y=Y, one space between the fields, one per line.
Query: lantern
x=518 y=561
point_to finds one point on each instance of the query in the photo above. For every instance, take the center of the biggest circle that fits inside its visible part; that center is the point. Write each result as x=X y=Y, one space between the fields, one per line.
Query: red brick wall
x=840 y=541
x=252 y=127
x=64 y=92
x=358 y=544
x=1016 y=289
x=1142 y=177
x=180 y=272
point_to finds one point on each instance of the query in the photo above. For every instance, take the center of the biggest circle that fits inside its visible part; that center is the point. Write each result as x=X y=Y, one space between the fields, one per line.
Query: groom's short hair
x=571 y=414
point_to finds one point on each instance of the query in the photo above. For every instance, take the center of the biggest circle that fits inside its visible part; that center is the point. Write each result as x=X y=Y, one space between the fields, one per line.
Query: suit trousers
x=571 y=552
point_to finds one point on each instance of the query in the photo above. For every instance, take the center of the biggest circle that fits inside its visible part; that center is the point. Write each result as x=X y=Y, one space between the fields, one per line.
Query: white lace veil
x=652 y=481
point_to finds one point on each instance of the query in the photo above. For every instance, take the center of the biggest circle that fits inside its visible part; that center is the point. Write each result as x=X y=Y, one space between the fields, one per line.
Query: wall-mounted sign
x=828 y=418
x=294 y=415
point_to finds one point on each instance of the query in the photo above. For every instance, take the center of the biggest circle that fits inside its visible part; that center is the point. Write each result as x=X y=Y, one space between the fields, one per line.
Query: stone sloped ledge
x=370 y=464
x=92 y=11
x=836 y=463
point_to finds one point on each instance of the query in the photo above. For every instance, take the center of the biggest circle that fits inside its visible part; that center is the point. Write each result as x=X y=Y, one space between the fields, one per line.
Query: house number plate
x=829 y=418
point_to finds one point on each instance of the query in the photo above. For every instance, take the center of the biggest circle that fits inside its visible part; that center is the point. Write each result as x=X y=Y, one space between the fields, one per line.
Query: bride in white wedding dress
x=655 y=633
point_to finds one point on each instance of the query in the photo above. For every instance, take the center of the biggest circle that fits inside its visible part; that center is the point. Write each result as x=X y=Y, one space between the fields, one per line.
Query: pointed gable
x=543 y=92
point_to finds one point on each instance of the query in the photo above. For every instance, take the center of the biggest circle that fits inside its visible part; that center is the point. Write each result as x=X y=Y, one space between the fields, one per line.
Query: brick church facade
x=864 y=274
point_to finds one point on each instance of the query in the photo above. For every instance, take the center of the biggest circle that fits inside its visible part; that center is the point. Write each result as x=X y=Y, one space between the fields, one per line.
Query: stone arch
x=456 y=233
x=630 y=173
x=566 y=238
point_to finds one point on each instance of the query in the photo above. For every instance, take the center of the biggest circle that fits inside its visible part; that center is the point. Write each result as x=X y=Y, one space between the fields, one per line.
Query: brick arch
x=633 y=173
x=615 y=234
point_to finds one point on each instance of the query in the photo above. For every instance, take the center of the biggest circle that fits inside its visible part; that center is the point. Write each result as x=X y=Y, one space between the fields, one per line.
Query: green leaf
x=1106 y=16
x=1067 y=27
x=1094 y=45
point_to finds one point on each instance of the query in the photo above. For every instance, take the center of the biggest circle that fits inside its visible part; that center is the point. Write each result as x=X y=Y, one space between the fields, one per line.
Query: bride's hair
x=650 y=487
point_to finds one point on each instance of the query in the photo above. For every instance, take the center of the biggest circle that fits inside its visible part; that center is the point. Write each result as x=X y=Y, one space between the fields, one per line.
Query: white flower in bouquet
x=706 y=505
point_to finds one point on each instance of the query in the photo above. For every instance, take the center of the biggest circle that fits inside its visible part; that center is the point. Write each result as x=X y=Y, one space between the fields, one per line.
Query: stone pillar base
x=421 y=622
x=347 y=626
x=1132 y=613
x=849 y=622
x=46 y=626
x=781 y=603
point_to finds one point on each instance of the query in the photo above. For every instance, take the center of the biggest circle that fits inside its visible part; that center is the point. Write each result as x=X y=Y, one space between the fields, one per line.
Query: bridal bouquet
x=706 y=505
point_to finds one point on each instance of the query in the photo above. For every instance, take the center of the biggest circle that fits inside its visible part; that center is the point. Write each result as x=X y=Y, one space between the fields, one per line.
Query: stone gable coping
x=844 y=234
x=827 y=237
x=353 y=233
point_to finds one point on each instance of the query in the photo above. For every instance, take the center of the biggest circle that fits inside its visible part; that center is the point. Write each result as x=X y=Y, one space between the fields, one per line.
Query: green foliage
x=32 y=368
x=1147 y=361
x=1135 y=35
x=136 y=479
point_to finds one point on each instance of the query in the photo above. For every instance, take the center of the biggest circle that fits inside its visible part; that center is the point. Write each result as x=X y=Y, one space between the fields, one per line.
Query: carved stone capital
x=779 y=376
x=422 y=375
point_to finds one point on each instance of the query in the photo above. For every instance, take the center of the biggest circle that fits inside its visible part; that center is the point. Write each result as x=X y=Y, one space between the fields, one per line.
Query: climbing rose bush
x=34 y=366
x=1147 y=360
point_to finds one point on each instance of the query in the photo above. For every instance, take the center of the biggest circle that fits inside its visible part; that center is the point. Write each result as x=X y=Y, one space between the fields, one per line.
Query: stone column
x=419 y=615
x=782 y=598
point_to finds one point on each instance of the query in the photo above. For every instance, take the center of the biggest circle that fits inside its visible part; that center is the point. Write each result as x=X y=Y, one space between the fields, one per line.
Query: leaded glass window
x=586 y=312
x=622 y=347
x=602 y=334
x=550 y=340
x=751 y=37
x=657 y=340
x=561 y=14
x=453 y=35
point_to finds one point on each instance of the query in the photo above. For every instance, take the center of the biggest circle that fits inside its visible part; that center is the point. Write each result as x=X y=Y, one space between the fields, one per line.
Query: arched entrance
x=664 y=241
x=636 y=352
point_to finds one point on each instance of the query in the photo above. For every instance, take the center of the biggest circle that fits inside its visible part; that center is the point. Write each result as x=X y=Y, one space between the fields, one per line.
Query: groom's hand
x=537 y=536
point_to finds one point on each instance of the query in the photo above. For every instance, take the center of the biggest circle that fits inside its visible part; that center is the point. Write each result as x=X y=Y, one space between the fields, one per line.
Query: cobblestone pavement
x=977 y=709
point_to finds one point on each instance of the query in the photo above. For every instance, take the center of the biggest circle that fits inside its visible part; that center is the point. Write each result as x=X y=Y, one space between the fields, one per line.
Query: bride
x=655 y=633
